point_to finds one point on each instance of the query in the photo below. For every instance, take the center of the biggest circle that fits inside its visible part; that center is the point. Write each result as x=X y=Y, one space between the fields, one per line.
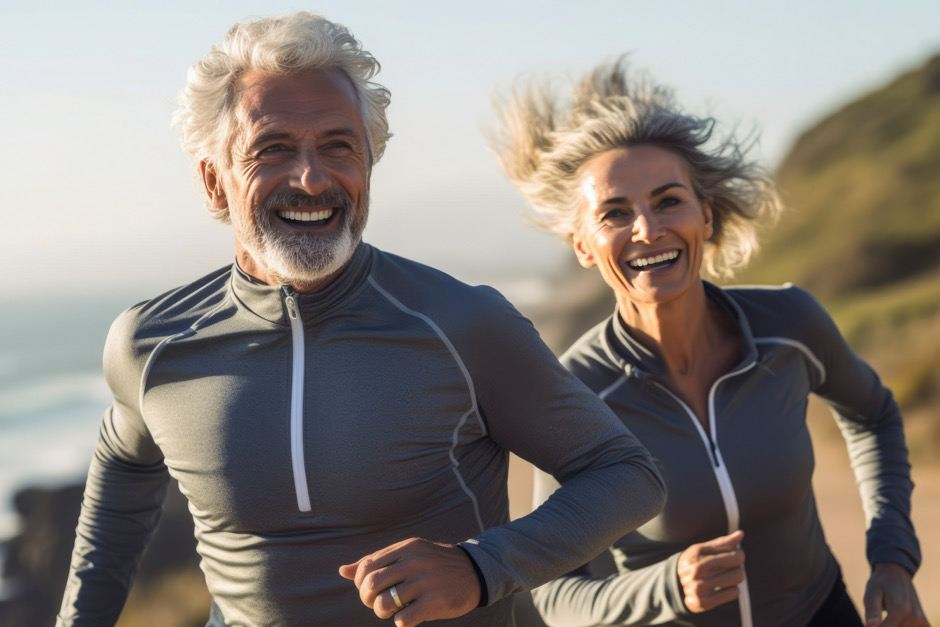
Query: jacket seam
x=152 y=358
x=603 y=394
x=455 y=464
x=803 y=348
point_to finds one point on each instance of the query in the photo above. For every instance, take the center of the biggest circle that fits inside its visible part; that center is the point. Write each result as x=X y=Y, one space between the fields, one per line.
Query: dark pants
x=837 y=610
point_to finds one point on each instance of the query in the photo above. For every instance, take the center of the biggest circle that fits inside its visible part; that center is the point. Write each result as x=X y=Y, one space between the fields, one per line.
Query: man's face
x=297 y=189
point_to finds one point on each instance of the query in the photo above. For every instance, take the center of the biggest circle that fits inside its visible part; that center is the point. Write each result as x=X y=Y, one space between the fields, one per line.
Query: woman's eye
x=613 y=214
x=668 y=201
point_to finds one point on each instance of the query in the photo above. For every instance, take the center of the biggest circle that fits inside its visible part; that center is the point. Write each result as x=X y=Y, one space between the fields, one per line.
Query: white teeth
x=645 y=261
x=306 y=216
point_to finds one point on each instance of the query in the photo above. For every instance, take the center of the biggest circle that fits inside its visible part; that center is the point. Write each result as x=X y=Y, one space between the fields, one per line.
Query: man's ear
x=213 y=184
x=585 y=257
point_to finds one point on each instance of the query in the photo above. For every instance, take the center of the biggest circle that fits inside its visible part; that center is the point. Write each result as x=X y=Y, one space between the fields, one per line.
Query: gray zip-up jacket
x=309 y=430
x=753 y=473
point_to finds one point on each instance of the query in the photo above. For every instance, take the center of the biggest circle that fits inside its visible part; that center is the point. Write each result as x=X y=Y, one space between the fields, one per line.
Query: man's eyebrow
x=341 y=131
x=264 y=138
x=267 y=137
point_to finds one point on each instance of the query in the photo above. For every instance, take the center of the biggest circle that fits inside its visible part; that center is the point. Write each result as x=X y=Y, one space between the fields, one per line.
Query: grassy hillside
x=863 y=230
x=864 y=190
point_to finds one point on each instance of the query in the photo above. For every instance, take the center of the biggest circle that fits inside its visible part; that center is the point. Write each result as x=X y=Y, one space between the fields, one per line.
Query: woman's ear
x=585 y=256
x=213 y=184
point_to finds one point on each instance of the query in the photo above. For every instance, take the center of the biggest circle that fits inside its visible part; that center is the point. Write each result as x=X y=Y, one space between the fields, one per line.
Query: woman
x=714 y=381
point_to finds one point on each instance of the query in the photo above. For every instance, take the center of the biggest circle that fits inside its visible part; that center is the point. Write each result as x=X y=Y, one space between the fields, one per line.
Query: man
x=333 y=412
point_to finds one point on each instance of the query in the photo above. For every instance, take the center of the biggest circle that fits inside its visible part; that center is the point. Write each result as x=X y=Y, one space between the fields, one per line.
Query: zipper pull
x=714 y=448
x=291 y=304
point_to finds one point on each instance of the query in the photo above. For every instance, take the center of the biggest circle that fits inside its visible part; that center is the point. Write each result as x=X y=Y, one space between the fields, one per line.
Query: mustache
x=294 y=200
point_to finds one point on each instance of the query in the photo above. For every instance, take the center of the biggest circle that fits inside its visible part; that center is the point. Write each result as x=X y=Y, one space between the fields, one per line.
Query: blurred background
x=100 y=211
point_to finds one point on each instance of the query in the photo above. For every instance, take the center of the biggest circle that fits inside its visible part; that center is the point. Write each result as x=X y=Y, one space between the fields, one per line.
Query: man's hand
x=890 y=590
x=711 y=571
x=433 y=581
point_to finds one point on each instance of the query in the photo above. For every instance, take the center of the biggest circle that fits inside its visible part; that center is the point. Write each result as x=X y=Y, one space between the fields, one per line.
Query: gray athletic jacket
x=753 y=473
x=309 y=430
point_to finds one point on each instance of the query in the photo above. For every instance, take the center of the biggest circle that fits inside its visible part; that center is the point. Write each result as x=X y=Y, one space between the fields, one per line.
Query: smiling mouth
x=653 y=262
x=306 y=218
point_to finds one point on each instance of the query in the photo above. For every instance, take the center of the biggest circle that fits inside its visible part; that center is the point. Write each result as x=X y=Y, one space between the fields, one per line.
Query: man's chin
x=300 y=268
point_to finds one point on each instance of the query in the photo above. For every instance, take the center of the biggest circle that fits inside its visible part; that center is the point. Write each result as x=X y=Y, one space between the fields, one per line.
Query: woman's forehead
x=631 y=172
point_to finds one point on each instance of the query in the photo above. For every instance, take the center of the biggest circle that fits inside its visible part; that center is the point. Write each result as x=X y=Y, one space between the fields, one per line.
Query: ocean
x=52 y=392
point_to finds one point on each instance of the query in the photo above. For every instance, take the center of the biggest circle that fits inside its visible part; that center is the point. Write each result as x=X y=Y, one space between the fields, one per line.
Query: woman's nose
x=646 y=226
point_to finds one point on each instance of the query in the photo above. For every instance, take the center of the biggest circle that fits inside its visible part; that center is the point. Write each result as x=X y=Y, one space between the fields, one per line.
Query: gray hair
x=542 y=144
x=276 y=46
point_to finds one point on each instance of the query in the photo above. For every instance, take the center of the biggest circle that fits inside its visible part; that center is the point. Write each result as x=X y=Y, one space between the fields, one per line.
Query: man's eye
x=337 y=146
x=273 y=148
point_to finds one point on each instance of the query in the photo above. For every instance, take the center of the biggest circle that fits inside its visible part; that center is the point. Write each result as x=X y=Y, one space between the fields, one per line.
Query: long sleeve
x=645 y=596
x=871 y=424
x=538 y=410
x=123 y=498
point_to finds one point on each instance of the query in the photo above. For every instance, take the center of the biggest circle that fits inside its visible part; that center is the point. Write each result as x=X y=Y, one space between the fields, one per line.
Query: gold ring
x=394 y=592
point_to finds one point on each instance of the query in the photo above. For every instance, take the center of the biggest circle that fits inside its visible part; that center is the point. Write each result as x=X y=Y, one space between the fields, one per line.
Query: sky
x=97 y=197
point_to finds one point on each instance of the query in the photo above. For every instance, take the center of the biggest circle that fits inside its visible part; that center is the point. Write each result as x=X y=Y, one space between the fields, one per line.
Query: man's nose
x=309 y=175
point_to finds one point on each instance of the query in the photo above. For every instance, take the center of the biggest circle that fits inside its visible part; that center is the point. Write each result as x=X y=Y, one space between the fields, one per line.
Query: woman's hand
x=711 y=571
x=890 y=590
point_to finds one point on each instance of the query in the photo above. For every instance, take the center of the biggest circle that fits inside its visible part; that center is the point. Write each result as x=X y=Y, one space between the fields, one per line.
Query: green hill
x=862 y=231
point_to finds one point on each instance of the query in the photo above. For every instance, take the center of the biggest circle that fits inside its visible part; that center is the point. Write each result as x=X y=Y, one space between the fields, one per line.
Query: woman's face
x=641 y=223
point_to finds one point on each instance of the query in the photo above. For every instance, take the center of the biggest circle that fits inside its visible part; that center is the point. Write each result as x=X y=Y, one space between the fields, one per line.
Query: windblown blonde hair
x=277 y=46
x=542 y=143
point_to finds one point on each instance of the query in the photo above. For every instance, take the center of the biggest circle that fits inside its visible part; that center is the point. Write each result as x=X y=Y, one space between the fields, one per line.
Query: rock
x=37 y=560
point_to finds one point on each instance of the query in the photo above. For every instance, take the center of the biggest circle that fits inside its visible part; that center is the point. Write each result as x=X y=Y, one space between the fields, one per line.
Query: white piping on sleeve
x=603 y=394
x=799 y=346
x=159 y=348
x=473 y=397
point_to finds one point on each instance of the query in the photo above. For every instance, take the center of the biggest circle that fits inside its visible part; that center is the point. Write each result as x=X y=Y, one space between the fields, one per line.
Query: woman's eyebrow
x=662 y=188
x=623 y=200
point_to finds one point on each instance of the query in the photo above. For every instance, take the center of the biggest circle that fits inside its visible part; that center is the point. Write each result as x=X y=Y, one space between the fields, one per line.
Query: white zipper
x=721 y=476
x=297 y=402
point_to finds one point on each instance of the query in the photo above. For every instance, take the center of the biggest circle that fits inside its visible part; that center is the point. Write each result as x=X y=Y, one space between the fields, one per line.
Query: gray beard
x=301 y=259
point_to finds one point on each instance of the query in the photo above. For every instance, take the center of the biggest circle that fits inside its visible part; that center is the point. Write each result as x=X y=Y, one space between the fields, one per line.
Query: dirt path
x=843 y=521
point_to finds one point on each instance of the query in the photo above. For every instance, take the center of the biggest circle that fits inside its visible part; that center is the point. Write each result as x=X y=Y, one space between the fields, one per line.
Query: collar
x=633 y=357
x=267 y=301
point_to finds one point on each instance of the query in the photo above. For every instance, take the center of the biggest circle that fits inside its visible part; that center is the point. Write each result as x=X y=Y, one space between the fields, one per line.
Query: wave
x=49 y=428
x=50 y=395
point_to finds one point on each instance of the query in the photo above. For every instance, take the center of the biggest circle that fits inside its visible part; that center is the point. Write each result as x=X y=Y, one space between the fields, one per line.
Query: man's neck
x=260 y=272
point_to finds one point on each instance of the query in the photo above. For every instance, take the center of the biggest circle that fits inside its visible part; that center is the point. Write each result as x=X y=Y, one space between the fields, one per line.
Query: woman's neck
x=682 y=332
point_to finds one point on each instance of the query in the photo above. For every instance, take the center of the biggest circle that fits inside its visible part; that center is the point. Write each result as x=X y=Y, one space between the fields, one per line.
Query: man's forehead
x=310 y=96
